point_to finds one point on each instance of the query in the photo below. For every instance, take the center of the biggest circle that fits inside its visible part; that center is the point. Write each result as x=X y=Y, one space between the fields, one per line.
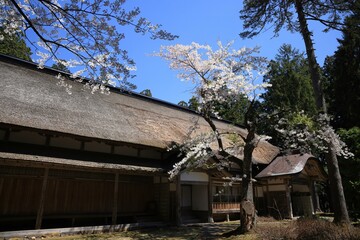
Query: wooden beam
x=42 y=200
x=115 y=205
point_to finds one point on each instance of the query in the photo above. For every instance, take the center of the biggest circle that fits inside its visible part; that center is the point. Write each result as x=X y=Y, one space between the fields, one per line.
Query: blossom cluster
x=195 y=153
x=85 y=33
x=217 y=74
x=315 y=136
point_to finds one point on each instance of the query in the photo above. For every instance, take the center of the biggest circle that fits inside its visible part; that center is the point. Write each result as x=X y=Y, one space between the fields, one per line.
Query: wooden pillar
x=311 y=189
x=40 y=212
x=210 y=201
x=115 y=205
x=315 y=196
x=288 y=198
x=178 y=202
x=268 y=203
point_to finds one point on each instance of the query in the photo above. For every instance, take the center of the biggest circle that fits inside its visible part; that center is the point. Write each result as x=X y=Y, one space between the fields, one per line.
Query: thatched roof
x=31 y=98
x=294 y=164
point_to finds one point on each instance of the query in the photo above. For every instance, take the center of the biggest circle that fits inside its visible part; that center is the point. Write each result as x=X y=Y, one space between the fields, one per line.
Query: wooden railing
x=225 y=207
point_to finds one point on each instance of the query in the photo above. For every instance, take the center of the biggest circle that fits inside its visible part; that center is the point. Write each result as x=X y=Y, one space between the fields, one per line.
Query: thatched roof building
x=31 y=98
x=84 y=159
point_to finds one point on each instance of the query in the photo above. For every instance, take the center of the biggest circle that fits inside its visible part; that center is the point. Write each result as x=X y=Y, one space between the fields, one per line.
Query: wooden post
x=288 y=198
x=315 y=197
x=178 y=202
x=227 y=217
x=115 y=205
x=210 y=201
x=42 y=200
x=268 y=198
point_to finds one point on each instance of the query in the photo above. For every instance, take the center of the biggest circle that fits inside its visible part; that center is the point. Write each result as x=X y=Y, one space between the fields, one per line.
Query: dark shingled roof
x=294 y=164
x=30 y=97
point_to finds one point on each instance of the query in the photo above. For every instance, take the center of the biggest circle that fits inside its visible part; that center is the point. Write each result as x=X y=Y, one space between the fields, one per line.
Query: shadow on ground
x=193 y=231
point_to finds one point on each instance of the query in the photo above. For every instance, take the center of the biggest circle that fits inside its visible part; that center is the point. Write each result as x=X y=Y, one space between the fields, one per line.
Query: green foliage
x=146 y=92
x=291 y=92
x=192 y=104
x=14 y=46
x=342 y=73
x=350 y=168
x=234 y=109
x=301 y=119
x=291 y=84
x=184 y=104
x=61 y=67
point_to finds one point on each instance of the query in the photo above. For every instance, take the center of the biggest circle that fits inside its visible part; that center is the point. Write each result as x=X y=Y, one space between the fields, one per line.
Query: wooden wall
x=19 y=196
x=73 y=193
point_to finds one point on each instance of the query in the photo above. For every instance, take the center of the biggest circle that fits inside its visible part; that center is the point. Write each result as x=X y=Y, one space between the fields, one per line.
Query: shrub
x=304 y=229
x=325 y=230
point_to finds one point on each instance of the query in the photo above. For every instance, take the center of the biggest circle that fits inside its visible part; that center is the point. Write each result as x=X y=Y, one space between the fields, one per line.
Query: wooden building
x=287 y=186
x=94 y=159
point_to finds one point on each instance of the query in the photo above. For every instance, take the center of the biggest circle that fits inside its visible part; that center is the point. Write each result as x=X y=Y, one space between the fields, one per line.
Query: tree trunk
x=247 y=209
x=337 y=192
x=312 y=62
x=336 y=188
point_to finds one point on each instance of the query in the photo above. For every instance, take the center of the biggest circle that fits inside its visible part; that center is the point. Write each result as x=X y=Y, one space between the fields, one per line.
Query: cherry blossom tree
x=88 y=31
x=310 y=134
x=218 y=75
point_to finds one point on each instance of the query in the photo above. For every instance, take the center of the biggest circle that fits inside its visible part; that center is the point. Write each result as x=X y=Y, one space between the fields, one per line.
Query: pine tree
x=14 y=45
x=290 y=83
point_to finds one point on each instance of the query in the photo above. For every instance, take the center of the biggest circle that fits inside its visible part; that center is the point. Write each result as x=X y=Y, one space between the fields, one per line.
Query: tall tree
x=88 y=32
x=290 y=90
x=342 y=72
x=14 y=45
x=234 y=108
x=294 y=15
x=290 y=83
x=61 y=67
x=192 y=104
x=218 y=76
x=342 y=75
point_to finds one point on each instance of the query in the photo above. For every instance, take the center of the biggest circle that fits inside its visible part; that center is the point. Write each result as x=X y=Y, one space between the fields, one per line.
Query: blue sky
x=205 y=22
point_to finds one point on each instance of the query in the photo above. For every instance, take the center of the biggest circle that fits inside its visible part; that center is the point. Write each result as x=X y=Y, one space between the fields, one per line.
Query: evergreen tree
x=146 y=92
x=343 y=76
x=193 y=103
x=14 y=45
x=234 y=109
x=290 y=91
x=291 y=84
x=182 y=103
x=342 y=87
x=61 y=67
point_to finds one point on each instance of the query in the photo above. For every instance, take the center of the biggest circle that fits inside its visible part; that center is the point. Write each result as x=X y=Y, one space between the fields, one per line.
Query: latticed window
x=226 y=194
